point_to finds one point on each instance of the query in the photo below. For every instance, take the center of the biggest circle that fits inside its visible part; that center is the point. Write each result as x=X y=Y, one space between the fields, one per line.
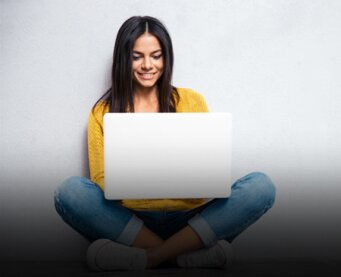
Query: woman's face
x=147 y=61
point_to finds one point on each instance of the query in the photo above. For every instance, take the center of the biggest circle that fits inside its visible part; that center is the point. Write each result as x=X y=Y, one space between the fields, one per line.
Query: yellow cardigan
x=190 y=101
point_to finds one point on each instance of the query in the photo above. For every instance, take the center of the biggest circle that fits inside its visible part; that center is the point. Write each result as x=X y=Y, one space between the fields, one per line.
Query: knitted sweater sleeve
x=201 y=104
x=191 y=101
x=95 y=145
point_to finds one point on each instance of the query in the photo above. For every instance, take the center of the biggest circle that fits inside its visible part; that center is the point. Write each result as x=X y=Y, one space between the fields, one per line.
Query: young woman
x=139 y=234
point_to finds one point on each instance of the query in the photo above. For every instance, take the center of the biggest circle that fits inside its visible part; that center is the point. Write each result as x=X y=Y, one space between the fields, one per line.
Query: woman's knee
x=70 y=186
x=257 y=188
x=71 y=191
x=262 y=188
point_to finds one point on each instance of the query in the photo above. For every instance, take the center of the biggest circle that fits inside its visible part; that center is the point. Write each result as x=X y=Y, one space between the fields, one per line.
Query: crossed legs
x=251 y=195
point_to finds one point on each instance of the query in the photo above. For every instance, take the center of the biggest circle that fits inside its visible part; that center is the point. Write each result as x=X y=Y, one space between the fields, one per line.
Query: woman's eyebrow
x=137 y=52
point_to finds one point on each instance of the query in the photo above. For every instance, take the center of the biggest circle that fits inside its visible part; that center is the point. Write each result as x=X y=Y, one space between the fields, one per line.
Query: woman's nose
x=146 y=64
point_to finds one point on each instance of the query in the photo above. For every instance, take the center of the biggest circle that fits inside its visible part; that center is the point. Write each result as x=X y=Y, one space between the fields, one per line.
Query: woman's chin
x=144 y=84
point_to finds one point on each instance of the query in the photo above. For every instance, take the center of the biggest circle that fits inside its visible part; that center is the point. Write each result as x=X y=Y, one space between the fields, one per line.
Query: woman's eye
x=135 y=58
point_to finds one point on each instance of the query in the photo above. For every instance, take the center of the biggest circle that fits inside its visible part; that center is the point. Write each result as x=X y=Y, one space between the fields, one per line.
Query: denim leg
x=82 y=205
x=225 y=218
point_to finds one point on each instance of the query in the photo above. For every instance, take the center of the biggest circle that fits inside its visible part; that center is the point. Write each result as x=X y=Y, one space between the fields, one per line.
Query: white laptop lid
x=167 y=155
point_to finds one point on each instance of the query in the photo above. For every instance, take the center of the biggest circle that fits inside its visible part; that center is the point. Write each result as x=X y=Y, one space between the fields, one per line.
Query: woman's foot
x=218 y=256
x=106 y=255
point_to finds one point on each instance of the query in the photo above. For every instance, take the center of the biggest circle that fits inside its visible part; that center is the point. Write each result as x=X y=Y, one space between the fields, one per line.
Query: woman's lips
x=146 y=76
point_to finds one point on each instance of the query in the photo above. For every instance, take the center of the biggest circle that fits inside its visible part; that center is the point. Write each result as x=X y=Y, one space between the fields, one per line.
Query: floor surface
x=238 y=269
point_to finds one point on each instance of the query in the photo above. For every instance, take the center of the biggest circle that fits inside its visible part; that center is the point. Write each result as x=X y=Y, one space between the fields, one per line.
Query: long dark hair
x=120 y=96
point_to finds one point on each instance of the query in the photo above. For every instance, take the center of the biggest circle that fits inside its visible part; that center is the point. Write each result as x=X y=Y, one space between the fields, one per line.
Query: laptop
x=167 y=155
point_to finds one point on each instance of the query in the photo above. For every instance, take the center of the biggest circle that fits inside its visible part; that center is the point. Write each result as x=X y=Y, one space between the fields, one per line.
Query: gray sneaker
x=219 y=255
x=106 y=255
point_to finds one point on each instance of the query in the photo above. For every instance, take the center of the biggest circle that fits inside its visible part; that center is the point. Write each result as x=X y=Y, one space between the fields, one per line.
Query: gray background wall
x=274 y=64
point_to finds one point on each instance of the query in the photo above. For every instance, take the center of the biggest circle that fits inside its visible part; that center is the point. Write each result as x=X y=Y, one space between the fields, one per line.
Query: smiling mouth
x=146 y=76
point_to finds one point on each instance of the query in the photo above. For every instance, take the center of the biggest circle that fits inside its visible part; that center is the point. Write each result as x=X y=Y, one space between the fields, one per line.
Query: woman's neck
x=146 y=100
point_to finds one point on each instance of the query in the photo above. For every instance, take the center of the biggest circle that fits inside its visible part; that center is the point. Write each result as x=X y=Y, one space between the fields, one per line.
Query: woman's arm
x=95 y=145
x=201 y=104
x=191 y=101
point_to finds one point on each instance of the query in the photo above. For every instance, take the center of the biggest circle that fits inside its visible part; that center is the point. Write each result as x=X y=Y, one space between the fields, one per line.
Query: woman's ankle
x=153 y=260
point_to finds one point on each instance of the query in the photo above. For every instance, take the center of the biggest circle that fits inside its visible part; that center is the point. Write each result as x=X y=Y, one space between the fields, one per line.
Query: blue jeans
x=82 y=205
